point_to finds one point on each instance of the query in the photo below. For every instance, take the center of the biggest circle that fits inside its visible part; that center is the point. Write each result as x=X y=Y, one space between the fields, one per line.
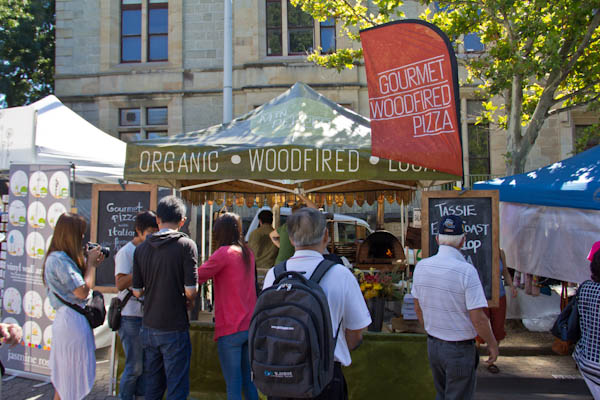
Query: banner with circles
x=38 y=195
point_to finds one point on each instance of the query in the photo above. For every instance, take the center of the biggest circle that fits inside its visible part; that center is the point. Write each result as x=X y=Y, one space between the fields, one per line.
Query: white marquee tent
x=48 y=132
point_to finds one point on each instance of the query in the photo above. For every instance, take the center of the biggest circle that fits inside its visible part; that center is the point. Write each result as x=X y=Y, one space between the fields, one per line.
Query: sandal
x=493 y=369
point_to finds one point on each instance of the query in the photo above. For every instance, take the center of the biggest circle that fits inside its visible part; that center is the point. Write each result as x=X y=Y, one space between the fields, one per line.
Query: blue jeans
x=132 y=379
x=167 y=357
x=235 y=365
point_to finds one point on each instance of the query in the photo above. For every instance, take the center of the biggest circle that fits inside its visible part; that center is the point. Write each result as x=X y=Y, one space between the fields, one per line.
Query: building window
x=301 y=28
x=143 y=123
x=131 y=31
x=155 y=35
x=158 y=30
x=479 y=149
x=328 y=36
x=479 y=140
x=472 y=43
x=274 y=28
x=586 y=137
x=291 y=31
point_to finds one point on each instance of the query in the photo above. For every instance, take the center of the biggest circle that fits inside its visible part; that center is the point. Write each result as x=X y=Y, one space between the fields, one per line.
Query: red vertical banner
x=412 y=79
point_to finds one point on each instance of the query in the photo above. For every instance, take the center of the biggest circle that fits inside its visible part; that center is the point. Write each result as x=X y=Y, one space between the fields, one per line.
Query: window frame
x=279 y=29
x=144 y=128
x=477 y=157
x=471 y=115
x=156 y=6
x=284 y=32
x=121 y=35
x=145 y=36
x=327 y=28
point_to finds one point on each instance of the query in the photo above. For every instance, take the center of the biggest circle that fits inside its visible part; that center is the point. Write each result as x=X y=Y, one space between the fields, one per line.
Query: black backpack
x=291 y=337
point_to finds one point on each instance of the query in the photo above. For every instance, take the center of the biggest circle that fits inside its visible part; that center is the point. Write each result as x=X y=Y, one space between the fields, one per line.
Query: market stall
x=299 y=141
x=549 y=220
x=549 y=217
x=48 y=132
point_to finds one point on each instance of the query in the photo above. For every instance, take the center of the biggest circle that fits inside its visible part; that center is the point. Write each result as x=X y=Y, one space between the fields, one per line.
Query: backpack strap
x=321 y=270
x=279 y=269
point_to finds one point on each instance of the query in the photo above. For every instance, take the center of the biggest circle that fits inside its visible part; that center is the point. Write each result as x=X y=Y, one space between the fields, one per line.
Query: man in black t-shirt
x=164 y=271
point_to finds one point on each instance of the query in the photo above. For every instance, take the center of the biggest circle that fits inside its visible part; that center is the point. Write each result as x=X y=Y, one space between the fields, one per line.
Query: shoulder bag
x=114 y=310
x=94 y=311
x=566 y=327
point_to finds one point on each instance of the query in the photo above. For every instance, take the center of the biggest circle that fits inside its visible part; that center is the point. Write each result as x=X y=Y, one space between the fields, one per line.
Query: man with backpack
x=309 y=316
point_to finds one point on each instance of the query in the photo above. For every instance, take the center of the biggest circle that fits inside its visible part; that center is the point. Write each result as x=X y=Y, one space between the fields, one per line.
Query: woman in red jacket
x=232 y=269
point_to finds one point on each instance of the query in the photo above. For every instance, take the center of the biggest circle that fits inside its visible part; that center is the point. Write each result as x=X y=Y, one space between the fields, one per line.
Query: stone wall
x=91 y=80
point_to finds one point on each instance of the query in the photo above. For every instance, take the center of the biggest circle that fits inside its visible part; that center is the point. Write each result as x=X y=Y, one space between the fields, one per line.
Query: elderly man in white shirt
x=450 y=303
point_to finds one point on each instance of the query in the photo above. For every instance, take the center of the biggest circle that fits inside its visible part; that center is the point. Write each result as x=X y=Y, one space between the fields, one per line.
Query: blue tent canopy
x=573 y=182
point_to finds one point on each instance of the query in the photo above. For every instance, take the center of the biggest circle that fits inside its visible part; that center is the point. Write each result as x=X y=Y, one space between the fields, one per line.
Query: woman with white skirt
x=70 y=275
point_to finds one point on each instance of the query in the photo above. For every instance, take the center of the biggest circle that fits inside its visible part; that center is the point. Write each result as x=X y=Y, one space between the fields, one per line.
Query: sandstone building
x=146 y=68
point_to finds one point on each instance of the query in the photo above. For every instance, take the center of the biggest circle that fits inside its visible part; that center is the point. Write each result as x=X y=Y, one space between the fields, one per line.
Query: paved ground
x=528 y=370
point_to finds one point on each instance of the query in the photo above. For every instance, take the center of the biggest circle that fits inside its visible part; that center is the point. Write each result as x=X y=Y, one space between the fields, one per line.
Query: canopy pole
x=204 y=184
x=283 y=189
x=402 y=223
x=203 y=244
x=330 y=186
x=210 y=227
x=393 y=184
x=227 y=62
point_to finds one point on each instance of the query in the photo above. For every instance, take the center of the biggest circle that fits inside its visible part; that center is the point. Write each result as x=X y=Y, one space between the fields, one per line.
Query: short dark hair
x=595 y=267
x=170 y=209
x=145 y=220
x=265 y=216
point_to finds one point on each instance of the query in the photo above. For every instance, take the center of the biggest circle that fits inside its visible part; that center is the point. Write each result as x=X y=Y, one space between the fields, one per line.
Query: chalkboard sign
x=479 y=211
x=114 y=208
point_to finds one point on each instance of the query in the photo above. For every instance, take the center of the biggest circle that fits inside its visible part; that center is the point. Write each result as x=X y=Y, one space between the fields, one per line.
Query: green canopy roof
x=300 y=137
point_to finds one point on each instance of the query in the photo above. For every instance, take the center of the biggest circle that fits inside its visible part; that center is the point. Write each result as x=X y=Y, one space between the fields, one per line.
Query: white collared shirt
x=447 y=287
x=344 y=297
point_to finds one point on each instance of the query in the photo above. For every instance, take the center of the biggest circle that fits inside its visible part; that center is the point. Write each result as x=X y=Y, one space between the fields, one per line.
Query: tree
x=26 y=50
x=542 y=57
x=352 y=15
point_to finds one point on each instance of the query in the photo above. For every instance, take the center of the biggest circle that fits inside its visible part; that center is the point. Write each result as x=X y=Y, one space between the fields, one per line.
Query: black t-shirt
x=163 y=265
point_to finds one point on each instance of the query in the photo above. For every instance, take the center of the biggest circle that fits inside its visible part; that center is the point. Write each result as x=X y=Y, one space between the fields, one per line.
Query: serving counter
x=386 y=366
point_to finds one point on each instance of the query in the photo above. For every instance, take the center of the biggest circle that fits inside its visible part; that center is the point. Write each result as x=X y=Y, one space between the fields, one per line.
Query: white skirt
x=72 y=355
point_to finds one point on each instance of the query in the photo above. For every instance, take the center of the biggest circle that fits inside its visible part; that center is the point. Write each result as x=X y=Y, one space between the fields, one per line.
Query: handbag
x=114 y=310
x=94 y=311
x=566 y=327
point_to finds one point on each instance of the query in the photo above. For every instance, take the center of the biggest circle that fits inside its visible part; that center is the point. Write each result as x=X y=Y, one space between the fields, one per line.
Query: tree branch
x=563 y=109
x=363 y=17
x=594 y=23
x=575 y=93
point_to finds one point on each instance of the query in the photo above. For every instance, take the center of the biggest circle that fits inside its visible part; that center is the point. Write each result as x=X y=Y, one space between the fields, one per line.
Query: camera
x=103 y=250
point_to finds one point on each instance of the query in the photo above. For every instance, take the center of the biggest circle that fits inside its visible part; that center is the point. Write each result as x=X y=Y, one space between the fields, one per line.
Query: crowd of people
x=157 y=274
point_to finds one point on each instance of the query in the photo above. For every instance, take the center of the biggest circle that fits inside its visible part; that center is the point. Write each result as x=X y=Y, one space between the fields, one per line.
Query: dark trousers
x=336 y=390
x=453 y=366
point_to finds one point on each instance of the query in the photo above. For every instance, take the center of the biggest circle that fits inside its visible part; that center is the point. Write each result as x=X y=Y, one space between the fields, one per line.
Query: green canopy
x=300 y=138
